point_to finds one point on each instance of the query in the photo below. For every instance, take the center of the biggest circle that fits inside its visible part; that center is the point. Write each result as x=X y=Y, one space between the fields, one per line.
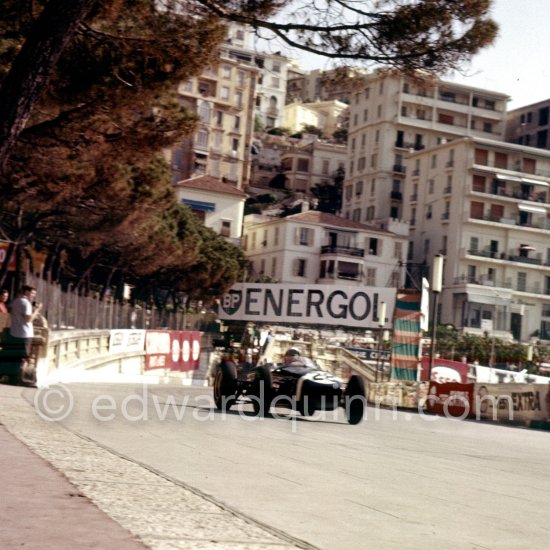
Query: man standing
x=23 y=314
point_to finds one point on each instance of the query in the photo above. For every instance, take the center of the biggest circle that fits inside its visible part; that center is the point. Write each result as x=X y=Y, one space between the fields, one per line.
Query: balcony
x=508 y=284
x=343 y=250
x=399 y=168
x=396 y=196
x=414 y=197
x=510 y=257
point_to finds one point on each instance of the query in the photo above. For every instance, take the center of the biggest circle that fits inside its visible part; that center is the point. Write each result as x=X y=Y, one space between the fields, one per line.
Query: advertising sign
x=3 y=253
x=351 y=306
x=175 y=350
x=126 y=340
x=513 y=402
x=451 y=399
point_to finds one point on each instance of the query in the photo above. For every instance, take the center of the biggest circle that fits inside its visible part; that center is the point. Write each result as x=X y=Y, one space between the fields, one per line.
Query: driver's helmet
x=292 y=356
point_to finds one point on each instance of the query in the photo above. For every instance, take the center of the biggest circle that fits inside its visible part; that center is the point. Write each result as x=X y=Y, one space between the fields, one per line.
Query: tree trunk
x=33 y=65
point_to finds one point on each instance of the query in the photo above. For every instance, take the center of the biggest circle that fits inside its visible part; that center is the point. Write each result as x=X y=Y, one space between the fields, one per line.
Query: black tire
x=355 y=399
x=306 y=405
x=262 y=390
x=225 y=385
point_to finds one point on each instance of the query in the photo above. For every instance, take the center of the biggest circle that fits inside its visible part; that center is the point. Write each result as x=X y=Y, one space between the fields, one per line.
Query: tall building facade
x=393 y=115
x=530 y=125
x=485 y=205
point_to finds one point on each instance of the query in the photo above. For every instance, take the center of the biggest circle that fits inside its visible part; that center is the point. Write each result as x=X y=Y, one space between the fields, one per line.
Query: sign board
x=174 y=350
x=3 y=253
x=350 y=306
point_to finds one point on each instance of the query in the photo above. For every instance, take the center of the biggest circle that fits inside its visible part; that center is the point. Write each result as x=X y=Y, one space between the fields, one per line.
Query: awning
x=532 y=208
x=535 y=182
x=199 y=205
x=508 y=178
x=527 y=247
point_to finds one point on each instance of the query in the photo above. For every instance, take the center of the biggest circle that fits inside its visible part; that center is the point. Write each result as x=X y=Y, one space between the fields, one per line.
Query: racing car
x=296 y=384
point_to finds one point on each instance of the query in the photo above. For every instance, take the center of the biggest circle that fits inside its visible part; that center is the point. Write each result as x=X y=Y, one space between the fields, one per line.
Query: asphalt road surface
x=397 y=480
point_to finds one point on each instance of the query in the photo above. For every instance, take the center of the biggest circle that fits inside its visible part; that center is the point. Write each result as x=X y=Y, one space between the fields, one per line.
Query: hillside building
x=392 y=116
x=316 y=247
x=485 y=205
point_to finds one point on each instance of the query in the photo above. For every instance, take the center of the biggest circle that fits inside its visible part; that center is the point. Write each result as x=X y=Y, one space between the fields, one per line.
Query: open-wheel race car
x=296 y=384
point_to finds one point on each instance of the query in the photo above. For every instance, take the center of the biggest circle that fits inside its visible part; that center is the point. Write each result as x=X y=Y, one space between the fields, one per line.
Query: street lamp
x=381 y=323
x=436 y=284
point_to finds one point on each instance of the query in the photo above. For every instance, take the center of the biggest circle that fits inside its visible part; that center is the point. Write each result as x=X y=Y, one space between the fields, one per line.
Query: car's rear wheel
x=355 y=399
x=225 y=385
x=262 y=391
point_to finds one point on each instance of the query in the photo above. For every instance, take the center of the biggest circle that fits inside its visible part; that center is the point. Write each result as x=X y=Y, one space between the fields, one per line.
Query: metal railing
x=70 y=310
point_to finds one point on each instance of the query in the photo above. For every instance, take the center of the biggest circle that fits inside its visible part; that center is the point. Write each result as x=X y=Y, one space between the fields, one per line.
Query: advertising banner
x=445 y=370
x=513 y=402
x=175 y=350
x=451 y=399
x=351 y=306
x=157 y=349
x=126 y=340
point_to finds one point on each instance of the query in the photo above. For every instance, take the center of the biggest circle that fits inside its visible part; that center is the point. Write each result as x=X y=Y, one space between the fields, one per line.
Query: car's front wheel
x=262 y=391
x=354 y=399
x=225 y=385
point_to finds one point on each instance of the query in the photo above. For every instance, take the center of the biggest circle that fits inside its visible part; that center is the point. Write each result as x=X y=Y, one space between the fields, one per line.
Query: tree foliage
x=88 y=103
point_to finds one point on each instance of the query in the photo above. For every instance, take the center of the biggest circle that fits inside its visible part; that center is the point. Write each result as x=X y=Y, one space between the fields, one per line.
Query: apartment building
x=530 y=125
x=329 y=116
x=484 y=204
x=316 y=247
x=223 y=98
x=310 y=162
x=392 y=116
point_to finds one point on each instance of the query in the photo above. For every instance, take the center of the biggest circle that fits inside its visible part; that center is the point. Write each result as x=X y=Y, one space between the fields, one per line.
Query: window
x=501 y=160
x=374 y=160
x=396 y=186
x=262 y=266
x=374 y=246
x=373 y=187
x=241 y=78
x=348 y=192
x=355 y=119
x=522 y=281
x=304 y=236
x=379 y=111
x=359 y=188
x=219 y=118
x=273 y=266
x=426 y=247
x=542 y=138
x=381 y=89
x=226 y=71
x=443 y=245
x=434 y=161
x=445 y=119
x=356 y=215
x=476 y=210
x=479 y=183
x=300 y=267
x=431 y=185
x=253 y=243
x=488 y=127
x=235 y=144
x=481 y=156
x=474 y=244
x=421 y=114
x=239 y=99
x=397 y=250
x=363 y=140
x=353 y=144
x=428 y=211
x=276 y=67
x=303 y=165
x=361 y=164
x=377 y=136
x=365 y=115
x=204 y=112
x=276 y=238
x=325 y=167
x=264 y=238
x=370 y=276
x=403 y=110
x=224 y=93
x=202 y=138
x=369 y=216
x=275 y=82
x=543 y=116
x=237 y=123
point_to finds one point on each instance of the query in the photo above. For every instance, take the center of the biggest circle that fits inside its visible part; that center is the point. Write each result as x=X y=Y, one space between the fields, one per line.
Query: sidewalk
x=41 y=509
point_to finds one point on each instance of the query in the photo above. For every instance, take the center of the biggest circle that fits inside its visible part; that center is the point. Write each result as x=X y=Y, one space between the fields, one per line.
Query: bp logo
x=231 y=302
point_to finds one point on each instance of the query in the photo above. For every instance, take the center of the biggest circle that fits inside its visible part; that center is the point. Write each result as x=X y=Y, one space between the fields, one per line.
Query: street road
x=397 y=480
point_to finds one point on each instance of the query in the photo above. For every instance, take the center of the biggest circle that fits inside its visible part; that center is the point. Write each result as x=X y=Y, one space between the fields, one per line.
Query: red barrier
x=176 y=350
x=451 y=399
x=445 y=370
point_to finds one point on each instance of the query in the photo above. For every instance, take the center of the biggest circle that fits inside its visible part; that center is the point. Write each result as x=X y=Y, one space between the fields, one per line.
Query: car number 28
x=321 y=377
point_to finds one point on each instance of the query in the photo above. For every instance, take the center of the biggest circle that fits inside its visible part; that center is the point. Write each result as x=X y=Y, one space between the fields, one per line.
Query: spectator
x=4 y=295
x=23 y=313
